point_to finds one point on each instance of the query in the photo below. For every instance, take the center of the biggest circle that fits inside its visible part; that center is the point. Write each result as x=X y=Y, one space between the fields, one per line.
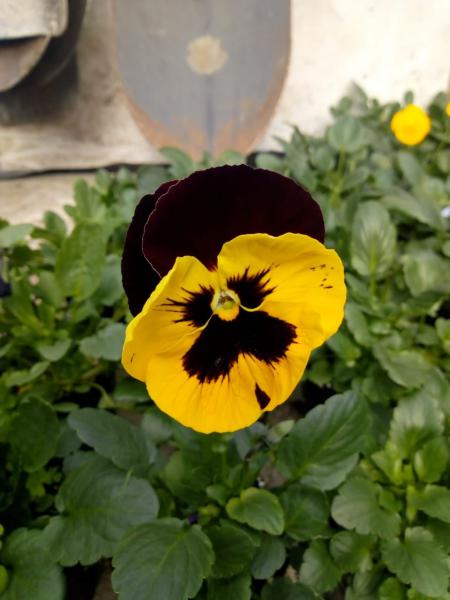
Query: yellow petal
x=226 y=404
x=159 y=325
x=306 y=277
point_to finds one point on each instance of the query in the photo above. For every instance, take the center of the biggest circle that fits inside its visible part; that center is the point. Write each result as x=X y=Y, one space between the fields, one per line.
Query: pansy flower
x=231 y=288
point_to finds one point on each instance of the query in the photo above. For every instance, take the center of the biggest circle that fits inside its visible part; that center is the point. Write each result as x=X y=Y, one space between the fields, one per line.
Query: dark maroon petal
x=208 y=208
x=138 y=277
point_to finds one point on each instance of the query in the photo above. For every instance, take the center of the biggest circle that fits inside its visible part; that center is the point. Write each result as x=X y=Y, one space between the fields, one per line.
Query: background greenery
x=344 y=492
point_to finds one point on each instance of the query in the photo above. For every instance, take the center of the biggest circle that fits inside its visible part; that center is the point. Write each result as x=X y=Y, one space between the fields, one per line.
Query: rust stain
x=191 y=139
x=239 y=133
x=205 y=55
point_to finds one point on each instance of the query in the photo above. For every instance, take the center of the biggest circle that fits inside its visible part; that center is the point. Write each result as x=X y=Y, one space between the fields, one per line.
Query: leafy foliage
x=344 y=492
x=165 y=559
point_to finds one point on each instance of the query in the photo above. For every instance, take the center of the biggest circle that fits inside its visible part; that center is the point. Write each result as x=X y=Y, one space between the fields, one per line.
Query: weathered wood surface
x=27 y=18
x=26 y=31
x=91 y=126
x=26 y=199
x=18 y=58
x=203 y=74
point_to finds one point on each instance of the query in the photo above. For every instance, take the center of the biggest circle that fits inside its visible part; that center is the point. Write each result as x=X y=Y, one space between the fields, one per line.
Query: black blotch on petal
x=251 y=289
x=195 y=308
x=261 y=396
x=220 y=344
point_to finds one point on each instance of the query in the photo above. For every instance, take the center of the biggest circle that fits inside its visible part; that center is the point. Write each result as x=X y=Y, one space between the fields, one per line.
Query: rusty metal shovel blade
x=203 y=75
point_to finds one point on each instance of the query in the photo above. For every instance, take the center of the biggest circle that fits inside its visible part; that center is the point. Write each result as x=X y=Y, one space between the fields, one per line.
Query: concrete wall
x=387 y=46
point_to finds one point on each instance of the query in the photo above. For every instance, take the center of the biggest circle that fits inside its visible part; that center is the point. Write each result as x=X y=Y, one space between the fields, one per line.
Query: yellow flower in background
x=447 y=109
x=411 y=125
x=247 y=291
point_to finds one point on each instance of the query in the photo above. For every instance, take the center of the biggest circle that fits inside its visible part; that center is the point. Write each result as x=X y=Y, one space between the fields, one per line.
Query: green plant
x=349 y=499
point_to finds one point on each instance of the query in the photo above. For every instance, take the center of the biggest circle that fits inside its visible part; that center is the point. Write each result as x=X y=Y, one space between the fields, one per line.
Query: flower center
x=225 y=304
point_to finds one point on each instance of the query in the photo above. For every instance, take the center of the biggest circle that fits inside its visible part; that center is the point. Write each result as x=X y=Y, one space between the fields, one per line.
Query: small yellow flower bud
x=411 y=125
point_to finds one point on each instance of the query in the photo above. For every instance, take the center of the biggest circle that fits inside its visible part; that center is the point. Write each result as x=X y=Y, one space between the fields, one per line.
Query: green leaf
x=306 y=512
x=48 y=289
x=98 y=505
x=418 y=207
x=23 y=377
x=357 y=324
x=285 y=589
x=68 y=441
x=236 y=588
x=258 y=508
x=391 y=589
x=80 y=261
x=231 y=157
x=33 y=572
x=156 y=424
x=408 y=368
x=271 y=162
x=19 y=304
x=103 y=181
x=351 y=551
x=56 y=227
x=106 y=343
x=425 y=272
x=318 y=570
x=13 y=234
x=414 y=595
x=374 y=240
x=88 y=205
x=112 y=437
x=357 y=507
x=233 y=549
x=269 y=557
x=418 y=560
x=355 y=179
x=4 y=579
x=390 y=462
x=365 y=585
x=130 y=392
x=343 y=346
x=443 y=160
x=431 y=460
x=322 y=158
x=187 y=475
x=150 y=177
x=443 y=331
x=181 y=163
x=162 y=560
x=415 y=421
x=410 y=167
x=54 y=352
x=347 y=135
x=110 y=290
x=323 y=447
x=34 y=434
x=434 y=500
x=440 y=532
